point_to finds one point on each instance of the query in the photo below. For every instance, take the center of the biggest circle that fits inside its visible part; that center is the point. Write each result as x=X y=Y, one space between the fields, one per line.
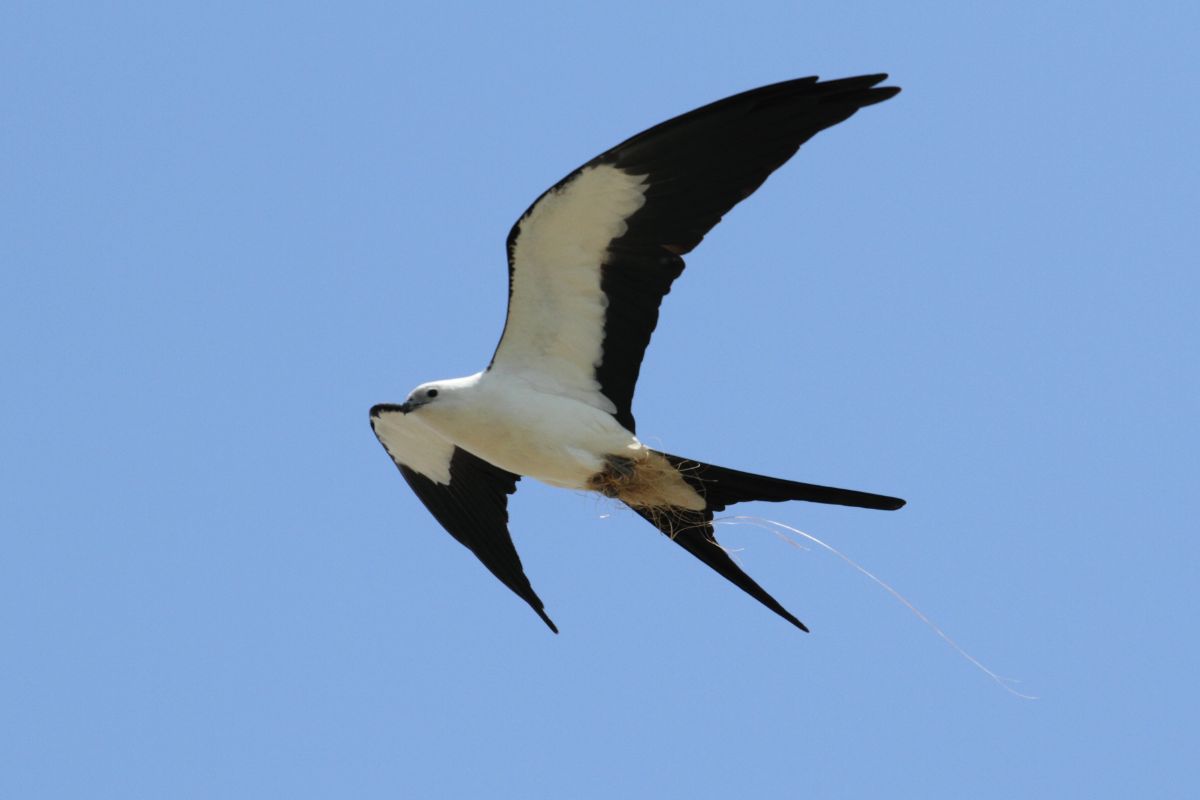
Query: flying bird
x=588 y=265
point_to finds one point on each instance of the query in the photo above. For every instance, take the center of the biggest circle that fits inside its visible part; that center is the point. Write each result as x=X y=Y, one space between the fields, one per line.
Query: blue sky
x=226 y=232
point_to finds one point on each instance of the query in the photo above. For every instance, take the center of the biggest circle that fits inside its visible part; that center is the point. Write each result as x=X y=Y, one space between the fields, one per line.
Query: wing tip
x=881 y=93
x=546 y=619
x=861 y=90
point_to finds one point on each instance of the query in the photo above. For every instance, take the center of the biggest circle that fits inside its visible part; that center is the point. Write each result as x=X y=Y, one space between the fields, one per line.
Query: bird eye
x=432 y=393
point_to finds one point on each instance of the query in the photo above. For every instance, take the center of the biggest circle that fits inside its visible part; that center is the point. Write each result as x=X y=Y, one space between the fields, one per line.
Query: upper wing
x=592 y=258
x=466 y=494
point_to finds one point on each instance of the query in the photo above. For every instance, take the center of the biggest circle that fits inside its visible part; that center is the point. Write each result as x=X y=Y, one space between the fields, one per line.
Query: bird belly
x=558 y=440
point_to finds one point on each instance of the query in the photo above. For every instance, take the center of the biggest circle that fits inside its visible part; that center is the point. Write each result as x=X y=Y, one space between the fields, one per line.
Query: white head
x=441 y=395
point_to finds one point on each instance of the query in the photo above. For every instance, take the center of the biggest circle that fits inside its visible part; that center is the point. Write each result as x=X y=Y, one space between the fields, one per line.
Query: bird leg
x=646 y=480
x=618 y=473
x=621 y=465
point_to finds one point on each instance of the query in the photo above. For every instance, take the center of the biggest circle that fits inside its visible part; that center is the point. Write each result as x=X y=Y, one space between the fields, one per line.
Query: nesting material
x=645 y=480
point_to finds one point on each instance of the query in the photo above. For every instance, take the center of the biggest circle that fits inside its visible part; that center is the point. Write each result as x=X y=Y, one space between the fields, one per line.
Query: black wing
x=694 y=169
x=466 y=494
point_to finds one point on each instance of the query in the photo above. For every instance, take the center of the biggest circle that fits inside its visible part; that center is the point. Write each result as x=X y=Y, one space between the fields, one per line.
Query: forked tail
x=720 y=487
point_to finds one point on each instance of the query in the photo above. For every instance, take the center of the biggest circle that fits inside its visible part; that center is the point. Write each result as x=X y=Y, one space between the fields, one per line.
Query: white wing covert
x=466 y=494
x=592 y=258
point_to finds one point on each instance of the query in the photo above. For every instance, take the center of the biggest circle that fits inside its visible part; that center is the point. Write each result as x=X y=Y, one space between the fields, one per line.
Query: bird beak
x=405 y=407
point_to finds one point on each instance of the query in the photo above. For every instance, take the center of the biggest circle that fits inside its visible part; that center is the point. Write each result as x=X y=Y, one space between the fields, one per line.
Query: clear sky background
x=226 y=232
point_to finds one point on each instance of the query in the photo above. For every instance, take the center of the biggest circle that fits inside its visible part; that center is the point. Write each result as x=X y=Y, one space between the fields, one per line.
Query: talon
x=621 y=465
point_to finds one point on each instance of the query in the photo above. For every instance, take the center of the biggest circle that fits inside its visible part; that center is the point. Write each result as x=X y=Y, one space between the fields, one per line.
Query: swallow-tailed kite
x=588 y=265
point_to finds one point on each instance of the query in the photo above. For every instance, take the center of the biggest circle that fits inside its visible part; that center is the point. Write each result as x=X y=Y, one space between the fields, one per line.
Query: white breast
x=559 y=440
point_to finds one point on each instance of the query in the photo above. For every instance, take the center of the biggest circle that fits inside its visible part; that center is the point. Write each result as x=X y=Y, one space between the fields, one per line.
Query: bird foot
x=616 y=476
x=620 y=465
